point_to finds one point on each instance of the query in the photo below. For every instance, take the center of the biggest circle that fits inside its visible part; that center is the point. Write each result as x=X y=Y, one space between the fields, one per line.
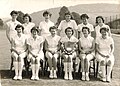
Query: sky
x=30 y=6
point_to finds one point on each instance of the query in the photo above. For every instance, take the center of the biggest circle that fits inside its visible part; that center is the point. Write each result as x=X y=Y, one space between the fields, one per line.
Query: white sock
x=33 y=69
x=103 y=71
x=65 y=67
x=16 y=68
x=36 y=69
x=20 y=68
x=109 y=69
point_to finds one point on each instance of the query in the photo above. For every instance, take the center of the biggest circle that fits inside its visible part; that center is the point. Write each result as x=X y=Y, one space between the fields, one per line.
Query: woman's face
x=99 y=20
x=26 y=19
x=69 y=32
x=14 y=16
x=104 y=33
x=46 y=16
x=19 y=30
x=84 y=20
x=34 y=33
x=67 y=17
x=85 y=32
x=53 y=32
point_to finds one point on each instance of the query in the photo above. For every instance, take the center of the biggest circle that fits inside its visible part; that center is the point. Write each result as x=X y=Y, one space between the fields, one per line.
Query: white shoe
x=15 y=77
x=33 y=77
x=70 y=76
x=108 y=79
x=103 y=79
x=66 y=76
x=36 y=78
x=87 y=78
x=51 y=75
x=83 y=77
x=19 y=77
x=55 y=75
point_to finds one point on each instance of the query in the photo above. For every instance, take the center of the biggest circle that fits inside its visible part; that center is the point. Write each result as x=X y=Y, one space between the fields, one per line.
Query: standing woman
x=10 y=31
x=28 y=25
x=46 y=24
x=68 y=22
x=99 y=24
x=68 y=44
x=86 y=47
x=105 y=49
x=35 y=52
x=19 y=51
x=52 y=47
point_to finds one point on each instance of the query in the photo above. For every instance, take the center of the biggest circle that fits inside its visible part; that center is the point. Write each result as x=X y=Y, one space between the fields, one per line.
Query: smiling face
x=67 y=17
x=19 y=30
x=14 y=16
x=104 y=33
x=53 y=32
x=47 y=16
x=34 y=33
x=69 y=32
x=85 y=32
x=99 y=20
x=26 y=19
x=84 y=20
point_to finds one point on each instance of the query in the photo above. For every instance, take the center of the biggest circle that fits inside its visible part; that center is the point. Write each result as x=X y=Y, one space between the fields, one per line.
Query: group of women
x=67 y=41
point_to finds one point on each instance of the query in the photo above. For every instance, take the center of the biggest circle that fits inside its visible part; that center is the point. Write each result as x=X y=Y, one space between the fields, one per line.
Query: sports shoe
x=87 y=78
x=103 y=79
x=51 y=75
x=83 y=77
x=33 y=77
x=55 y=75
x=15 y=77
x=19 y=77
x=66 y=76
x=70 y=76
x=108 y=79
x=36 y=78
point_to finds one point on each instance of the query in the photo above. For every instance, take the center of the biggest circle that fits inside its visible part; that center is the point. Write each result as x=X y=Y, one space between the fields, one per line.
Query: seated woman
x=86 y=47
x=35 y=52
x=68 y=44
x=52 y=47
x=18 y=48
x=105 y=49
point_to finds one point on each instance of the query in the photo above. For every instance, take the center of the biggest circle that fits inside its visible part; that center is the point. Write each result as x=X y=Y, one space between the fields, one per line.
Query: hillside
x=92 y=10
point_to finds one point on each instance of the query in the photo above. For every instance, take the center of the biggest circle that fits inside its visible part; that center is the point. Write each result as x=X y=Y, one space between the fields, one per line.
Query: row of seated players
x=32 y=47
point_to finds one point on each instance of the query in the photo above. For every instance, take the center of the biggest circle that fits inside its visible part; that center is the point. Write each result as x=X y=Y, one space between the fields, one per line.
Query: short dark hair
x=53 y=27
x=84 y=16
x=18 y=26
x=99 y=17
x=67 y=13
x=48 y=13
x=70 y=29
x=27 y=15
x=104 y=28
x=87 y=29
x=35 y=28
x=13 y=12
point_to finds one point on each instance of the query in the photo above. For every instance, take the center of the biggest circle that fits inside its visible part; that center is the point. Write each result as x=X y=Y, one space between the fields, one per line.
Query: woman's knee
x=109 y=63
x=102 y=63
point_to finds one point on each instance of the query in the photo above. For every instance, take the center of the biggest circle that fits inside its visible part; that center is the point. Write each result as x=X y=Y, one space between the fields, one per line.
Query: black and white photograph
x=59 y=42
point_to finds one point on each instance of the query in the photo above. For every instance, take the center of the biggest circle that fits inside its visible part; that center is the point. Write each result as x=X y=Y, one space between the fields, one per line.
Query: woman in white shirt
x=86 y=47
x=35 y=52
x=68 y=46
x=10 y=31
x=68 y=22
x=28 y=25
x=46 y=24
x=105 y=49
x=19 y=51
x=52 y=47
x=100 y=24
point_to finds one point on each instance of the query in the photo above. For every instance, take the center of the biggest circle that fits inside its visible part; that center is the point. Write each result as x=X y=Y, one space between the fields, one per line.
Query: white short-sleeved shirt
x=53 y=42
x=35 y=44
x=86 y=43
x=66 y=39
x=64 y=24
x=80 y=26
x=28 y=27
x=104 y=44
x=11 y=26
x=44 y=27
x=19 y=43
x=97 y=29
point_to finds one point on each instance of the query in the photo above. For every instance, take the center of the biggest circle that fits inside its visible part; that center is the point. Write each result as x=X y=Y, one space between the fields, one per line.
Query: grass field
x=5 y=64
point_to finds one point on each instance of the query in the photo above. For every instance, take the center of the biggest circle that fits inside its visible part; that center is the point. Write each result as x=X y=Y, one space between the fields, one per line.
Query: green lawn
x=5 y=64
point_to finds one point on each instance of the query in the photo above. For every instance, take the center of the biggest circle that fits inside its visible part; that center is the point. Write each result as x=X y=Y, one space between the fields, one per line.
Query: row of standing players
x=69 y=32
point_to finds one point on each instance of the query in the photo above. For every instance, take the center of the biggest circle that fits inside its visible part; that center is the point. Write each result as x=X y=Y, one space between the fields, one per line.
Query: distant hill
x=92 y=10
